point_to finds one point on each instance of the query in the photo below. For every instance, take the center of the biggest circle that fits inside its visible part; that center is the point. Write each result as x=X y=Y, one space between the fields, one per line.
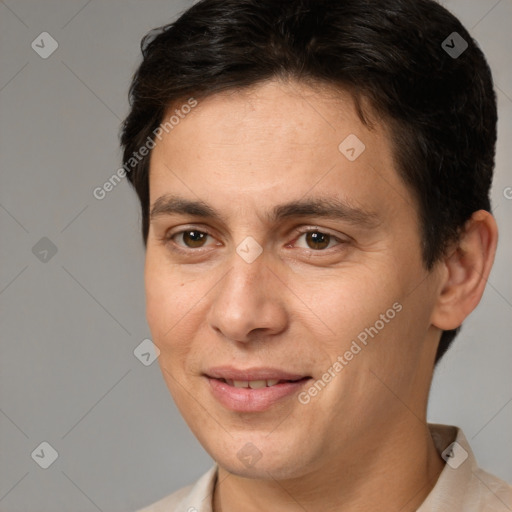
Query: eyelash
x=168 y=240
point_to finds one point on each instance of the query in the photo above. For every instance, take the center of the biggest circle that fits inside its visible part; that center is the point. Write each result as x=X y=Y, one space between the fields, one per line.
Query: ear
x=465 y=271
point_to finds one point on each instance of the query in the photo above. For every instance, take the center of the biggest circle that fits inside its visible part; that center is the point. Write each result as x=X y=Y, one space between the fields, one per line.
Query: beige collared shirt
x=461 y=487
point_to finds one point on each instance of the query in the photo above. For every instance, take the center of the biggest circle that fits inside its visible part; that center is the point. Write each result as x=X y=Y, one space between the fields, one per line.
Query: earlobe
x=466 y=269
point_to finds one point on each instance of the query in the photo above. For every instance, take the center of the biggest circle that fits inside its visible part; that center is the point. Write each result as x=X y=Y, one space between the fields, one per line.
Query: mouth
x=258 y=384
x=253 y=390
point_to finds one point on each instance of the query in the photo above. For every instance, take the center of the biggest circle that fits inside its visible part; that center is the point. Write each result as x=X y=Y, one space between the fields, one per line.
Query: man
x=314 y=179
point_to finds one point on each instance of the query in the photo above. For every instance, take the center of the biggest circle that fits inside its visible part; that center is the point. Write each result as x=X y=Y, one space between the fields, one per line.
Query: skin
x=362 y=442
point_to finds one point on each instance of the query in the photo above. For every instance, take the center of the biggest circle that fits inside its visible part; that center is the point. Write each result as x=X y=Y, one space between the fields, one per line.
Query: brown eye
x=317 y=240
x=193 y=238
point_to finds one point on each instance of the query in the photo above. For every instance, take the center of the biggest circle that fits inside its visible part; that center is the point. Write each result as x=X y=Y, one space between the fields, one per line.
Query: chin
x=269 y=461
x=260 y=470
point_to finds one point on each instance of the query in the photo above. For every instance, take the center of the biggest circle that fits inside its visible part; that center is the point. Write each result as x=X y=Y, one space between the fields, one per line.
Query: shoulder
x=196 y=497
x=170 y=502
x=491 y=492
x=462 y=484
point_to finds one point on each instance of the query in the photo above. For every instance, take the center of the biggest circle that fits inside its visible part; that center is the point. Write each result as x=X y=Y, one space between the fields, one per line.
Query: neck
x=394 y=470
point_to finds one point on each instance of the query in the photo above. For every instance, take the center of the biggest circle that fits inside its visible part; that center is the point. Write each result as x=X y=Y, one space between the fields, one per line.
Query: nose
x=249 y=302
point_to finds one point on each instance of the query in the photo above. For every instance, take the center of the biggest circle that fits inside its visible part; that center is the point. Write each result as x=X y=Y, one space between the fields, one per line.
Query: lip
x=230 y=373
x=252 y=400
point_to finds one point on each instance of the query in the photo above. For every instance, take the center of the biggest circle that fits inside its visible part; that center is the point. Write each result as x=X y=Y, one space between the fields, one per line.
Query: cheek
x=158 y=297
x=343 y=304
x=175 y=310
x=166 y=300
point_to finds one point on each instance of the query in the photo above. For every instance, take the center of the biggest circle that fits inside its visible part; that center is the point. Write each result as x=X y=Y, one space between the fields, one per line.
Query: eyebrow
x=329 y=208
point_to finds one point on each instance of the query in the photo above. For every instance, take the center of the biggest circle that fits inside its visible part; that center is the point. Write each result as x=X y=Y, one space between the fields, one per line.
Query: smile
x=253 y=384
x=254 y=390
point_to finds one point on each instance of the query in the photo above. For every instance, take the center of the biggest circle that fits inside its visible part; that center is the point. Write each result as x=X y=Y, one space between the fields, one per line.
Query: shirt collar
x=461 y=485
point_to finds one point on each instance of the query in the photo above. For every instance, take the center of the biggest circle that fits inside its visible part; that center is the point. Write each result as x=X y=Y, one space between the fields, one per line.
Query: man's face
x=347 y=288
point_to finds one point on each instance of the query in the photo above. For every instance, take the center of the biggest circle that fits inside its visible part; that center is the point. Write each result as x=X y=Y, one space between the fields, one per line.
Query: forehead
x=277 y=141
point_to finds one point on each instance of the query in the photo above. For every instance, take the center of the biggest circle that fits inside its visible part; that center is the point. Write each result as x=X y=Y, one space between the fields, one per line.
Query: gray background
x=70 y=324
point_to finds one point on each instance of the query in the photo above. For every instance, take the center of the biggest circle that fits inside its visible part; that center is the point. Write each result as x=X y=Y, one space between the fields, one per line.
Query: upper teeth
x=253 y=384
